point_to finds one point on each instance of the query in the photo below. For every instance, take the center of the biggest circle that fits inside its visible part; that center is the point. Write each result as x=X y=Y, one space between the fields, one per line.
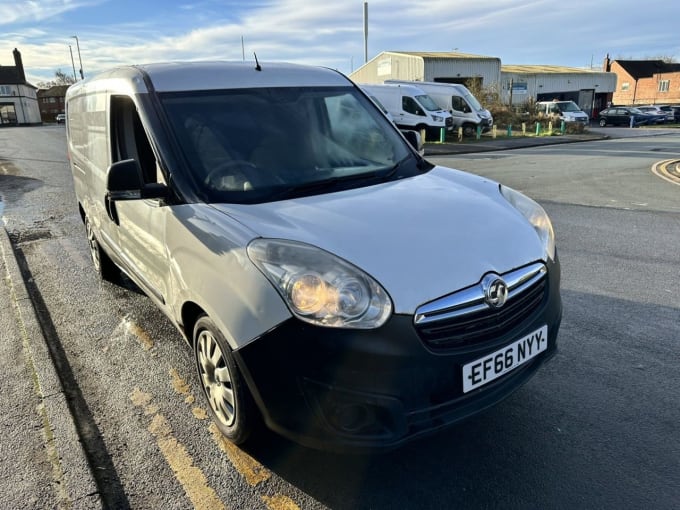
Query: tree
x=60 y=78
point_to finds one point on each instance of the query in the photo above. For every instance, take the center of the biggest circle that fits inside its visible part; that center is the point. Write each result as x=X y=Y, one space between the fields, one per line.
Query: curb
x=71 y=469
x=434 y=149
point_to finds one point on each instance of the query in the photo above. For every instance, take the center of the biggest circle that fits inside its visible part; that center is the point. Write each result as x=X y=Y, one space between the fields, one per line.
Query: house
x=18 y=98
x=645 y=81
x=51 y=102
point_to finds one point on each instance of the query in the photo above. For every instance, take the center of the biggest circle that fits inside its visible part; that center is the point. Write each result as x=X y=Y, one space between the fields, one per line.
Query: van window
x=129 y=140
x=262 y=144
x=459 y=104
x=409 y=105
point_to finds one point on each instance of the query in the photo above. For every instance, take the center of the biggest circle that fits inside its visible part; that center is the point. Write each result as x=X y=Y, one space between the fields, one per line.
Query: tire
x=103 y=265
x=229 y=401
x=469 y=130
x=603 y=122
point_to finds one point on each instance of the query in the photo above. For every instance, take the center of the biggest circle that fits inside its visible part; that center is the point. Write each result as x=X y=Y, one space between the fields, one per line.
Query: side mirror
x=415 y=140
x=124 y=181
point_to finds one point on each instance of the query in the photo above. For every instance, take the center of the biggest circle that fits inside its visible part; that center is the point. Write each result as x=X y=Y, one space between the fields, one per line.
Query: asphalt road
x=596 y=428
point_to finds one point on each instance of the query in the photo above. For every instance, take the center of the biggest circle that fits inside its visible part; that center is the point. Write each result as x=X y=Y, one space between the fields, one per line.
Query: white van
x=329 y=280
x=568 y=111
x=466 y=110
x=410 y=107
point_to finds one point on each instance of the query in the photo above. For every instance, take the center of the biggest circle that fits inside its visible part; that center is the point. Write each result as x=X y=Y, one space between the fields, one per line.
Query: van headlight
x=535 y=214
x=437 y=118
x=319 y=287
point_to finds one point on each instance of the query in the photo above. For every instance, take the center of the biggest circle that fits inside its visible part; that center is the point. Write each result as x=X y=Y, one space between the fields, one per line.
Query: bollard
x=632 y=121
x=460 y=134
x=563 y=127
x=509 y=129
x=442 y=135
x=538 y=128
x=422 y=135
x=550 y=128
x=479 y=132
x=524 y=128
x=493 y=132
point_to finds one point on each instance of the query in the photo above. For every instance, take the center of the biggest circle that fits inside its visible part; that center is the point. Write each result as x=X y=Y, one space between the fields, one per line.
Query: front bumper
x=354 y=390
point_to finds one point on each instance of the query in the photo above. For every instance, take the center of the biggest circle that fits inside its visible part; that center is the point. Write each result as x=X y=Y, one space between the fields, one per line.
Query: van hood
x=575 y=115
x=421 y=237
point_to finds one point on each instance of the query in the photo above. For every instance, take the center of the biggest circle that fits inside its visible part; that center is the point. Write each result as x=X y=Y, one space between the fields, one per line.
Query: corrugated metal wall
x=390 y=66
x=527 y=85
x=489 y=70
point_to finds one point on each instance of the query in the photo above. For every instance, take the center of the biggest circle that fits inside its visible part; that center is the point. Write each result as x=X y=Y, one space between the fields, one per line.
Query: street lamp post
x=82 y=75
x=72 y=63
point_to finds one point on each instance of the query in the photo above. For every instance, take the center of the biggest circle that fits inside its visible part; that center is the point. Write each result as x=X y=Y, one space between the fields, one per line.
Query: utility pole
x=82 y=75
x=365 y=32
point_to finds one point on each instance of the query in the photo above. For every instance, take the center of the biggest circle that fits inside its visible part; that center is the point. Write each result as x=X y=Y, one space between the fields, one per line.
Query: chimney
x=19 y=65
x=606 y=65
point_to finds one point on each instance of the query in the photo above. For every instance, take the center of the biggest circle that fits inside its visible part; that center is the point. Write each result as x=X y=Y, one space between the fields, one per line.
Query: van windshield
x=428 y=103
x=567 y=106
x=263 y=144
x=472 y=101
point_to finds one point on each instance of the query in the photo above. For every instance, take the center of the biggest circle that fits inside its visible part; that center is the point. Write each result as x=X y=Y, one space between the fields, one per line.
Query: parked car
x=60 y=118
x=676 y=113
x=329 y=279
x=658 y=116
x=621 y=116
x=670 y=115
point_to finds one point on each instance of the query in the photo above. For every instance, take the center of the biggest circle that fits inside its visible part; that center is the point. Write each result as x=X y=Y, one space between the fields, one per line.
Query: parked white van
x=410 y=107
x=568 y=111
x=330 y=281
x=466 y=110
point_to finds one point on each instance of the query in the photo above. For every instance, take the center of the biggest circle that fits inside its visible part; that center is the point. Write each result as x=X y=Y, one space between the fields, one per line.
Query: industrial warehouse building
x=591 y=90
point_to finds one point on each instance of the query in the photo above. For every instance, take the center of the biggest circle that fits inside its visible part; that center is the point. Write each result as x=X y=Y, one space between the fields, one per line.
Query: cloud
x=26 y=11
x=330 y=32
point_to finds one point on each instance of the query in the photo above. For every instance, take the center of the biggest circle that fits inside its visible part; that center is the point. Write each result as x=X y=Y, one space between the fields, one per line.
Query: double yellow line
x=188 y=474
x=668 y=170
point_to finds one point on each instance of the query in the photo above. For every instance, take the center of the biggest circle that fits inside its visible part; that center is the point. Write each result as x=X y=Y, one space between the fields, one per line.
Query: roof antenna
x=257 y=64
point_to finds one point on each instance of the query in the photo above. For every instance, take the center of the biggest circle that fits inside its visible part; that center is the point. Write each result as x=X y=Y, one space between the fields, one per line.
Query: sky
x=576 y=33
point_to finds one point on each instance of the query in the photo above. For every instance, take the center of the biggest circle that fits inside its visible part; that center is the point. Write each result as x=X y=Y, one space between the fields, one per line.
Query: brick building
x=645 y=81
x=52 y=102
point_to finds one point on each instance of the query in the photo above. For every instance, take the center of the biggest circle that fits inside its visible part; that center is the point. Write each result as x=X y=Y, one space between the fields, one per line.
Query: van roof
x=181 y=76
x=413 y=89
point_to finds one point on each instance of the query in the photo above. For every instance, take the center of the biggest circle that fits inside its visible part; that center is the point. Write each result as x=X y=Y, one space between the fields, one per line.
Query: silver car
x=330 y=281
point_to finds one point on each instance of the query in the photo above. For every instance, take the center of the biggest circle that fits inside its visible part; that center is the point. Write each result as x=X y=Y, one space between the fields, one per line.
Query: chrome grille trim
x=471 y=300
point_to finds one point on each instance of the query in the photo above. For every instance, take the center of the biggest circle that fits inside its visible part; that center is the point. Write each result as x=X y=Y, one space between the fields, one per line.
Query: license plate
x=494 y=365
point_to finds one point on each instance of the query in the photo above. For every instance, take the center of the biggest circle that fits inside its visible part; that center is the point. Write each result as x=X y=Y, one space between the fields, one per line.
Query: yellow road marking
x=252 y=471
x=142 y=336
x=192 y=479
x=181 y=386
x=660 y=169
x=280 y=502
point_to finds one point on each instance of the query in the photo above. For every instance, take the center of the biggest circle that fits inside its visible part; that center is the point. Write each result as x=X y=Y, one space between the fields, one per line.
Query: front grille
x=464 y=318
x=449 y=122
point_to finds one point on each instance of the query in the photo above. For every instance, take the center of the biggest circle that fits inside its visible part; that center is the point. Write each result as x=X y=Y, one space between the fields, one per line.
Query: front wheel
x=469 y=130
x=229 y=400
x=103 y=265
x=603 y=122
